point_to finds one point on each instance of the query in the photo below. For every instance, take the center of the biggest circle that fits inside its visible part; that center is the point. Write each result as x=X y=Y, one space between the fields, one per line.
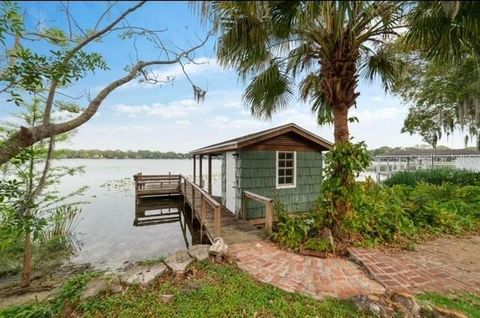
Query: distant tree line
x=118 y=154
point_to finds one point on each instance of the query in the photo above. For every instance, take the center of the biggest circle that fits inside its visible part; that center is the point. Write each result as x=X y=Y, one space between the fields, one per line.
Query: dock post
x=269 y=217
x=209 y=174
x=194 y=168
x=244 y=206
x=200 y=182
x=193 y=205
x=203 y=209
x=218 y=212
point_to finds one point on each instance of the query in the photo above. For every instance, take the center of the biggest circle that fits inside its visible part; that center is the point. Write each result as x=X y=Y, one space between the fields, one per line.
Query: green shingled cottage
x=282 y=163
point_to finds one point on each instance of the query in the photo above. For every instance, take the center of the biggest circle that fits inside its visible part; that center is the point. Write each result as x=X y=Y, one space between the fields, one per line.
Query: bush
x=401 y=215
x=290 y=232
x=435 y=176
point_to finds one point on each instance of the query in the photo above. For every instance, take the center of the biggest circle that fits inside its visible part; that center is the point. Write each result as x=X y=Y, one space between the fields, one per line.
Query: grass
x=467 y=303
x=214 y=291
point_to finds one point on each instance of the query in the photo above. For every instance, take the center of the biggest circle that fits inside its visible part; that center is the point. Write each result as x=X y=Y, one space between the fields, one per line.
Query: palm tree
x=322 y=46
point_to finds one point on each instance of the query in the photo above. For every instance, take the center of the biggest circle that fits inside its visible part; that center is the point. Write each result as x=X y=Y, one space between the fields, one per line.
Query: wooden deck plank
x=232 y=228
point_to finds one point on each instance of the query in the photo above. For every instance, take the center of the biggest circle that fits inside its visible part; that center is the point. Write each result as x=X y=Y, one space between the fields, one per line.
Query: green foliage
x=10 y=20
x=119 y=154
x=256 y=40
x=69 y=293
x=290 y=232
x=434 y=176
x=401 y=215
x=340 y=191
x=467 y=303
x=379 y=216
x=217 y=291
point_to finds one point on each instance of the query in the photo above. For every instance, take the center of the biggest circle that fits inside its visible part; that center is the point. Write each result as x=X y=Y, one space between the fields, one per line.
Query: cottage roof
x=258 y=137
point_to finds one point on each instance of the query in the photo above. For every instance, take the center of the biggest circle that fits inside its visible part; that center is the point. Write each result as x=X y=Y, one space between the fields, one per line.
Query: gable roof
x=241 y=142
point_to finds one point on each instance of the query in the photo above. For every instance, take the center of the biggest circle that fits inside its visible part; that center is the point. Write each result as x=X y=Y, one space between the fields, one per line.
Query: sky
x=166 y=117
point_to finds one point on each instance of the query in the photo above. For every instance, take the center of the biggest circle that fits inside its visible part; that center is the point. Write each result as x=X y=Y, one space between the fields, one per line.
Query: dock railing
x=205 y=200
x=268 y=208
x=150 y=185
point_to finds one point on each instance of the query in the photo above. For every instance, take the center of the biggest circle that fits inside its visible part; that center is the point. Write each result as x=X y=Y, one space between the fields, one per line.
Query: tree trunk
x=340 y=124
x=27 y=260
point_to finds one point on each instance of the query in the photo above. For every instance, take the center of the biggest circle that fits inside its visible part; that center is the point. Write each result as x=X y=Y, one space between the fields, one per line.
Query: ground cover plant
x=213 y=291
x=468 y=303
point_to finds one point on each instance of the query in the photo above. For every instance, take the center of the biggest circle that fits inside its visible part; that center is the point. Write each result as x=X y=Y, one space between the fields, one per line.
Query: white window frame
x=286 y=186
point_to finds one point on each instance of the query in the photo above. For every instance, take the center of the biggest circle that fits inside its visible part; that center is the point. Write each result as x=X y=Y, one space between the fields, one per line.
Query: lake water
x=105 y=232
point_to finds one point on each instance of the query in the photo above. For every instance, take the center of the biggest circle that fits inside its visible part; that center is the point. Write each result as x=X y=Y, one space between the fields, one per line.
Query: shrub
x=435 y=176
x=380 y=217
x=290 y=232
x=401 y=214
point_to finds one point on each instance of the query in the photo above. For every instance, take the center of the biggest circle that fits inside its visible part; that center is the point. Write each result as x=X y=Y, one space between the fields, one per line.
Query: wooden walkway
x=216 y=220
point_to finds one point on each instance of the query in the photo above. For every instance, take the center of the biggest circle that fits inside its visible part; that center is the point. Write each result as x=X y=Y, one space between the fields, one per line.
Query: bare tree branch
x=69 y=55
x=26 y=137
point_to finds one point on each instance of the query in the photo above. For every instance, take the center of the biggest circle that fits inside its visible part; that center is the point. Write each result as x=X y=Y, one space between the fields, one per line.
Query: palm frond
x=268 y=91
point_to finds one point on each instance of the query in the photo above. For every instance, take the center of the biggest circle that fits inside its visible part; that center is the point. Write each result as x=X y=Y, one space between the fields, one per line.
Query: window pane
x=281 y=172
x=289 y=163
x=281 y=163
x=281 y=180
x=289 y=180
x=288 y=172
x=289 y=155
x=281 y=155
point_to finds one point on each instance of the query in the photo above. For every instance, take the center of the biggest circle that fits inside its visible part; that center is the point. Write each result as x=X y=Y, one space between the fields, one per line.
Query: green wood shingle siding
x=255 y=171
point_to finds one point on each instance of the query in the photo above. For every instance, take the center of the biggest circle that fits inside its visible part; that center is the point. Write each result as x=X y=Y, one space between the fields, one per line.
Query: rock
x=326 y=235
x=179 y=261
x=94 y=288
x=407 y=303
x=218 y=248
x=375 y=309
x=199 y=252
x=116 y=288
x=447 y=313
x=143 y=275
x=166 y=298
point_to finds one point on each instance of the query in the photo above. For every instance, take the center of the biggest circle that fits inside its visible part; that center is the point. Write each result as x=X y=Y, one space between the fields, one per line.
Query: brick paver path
x=443 y=265
x=317 y=277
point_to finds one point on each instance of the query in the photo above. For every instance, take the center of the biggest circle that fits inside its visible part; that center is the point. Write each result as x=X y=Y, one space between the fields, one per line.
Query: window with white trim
x=286 y=169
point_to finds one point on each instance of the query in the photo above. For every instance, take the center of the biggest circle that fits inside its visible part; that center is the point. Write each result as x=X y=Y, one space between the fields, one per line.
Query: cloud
x=176 y=109
x=183 y=122
x=377 y=98
x=366 y=117
x=132 y=129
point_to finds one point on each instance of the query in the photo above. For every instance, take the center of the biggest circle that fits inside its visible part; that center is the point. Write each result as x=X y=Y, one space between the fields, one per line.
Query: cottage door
x=230 y=182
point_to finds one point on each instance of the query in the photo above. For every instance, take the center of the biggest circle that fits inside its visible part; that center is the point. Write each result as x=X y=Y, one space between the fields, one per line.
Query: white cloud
x=366 y=117
x=377 y=98
x=176 y=109
x=132 y=129
x=183 y=122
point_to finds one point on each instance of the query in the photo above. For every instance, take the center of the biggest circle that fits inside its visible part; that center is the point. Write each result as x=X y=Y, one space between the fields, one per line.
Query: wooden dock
x=215 y=219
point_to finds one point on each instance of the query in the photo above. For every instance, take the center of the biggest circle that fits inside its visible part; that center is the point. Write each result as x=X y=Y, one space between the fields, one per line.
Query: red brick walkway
x=444 y=265
x=334 y=277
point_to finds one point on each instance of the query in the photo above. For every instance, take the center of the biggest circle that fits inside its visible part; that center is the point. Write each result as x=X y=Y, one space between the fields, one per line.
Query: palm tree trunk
x=27 y=260
x=340 y=123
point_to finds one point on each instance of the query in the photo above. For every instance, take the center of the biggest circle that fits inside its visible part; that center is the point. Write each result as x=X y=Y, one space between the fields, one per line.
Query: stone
x=199 y=252
x=326 y=234
x=166 y=298
x=407 y=302
x=447 y=313
x=143 y=275
x=179 y=261
x=94 y=288
x=218 y=248
x=116 y=288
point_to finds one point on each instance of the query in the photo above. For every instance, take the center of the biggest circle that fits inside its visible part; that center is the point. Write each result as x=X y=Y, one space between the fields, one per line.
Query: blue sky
x=143 y=116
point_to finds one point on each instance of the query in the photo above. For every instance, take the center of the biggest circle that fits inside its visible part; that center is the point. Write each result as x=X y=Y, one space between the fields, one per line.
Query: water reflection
x=158 y=211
